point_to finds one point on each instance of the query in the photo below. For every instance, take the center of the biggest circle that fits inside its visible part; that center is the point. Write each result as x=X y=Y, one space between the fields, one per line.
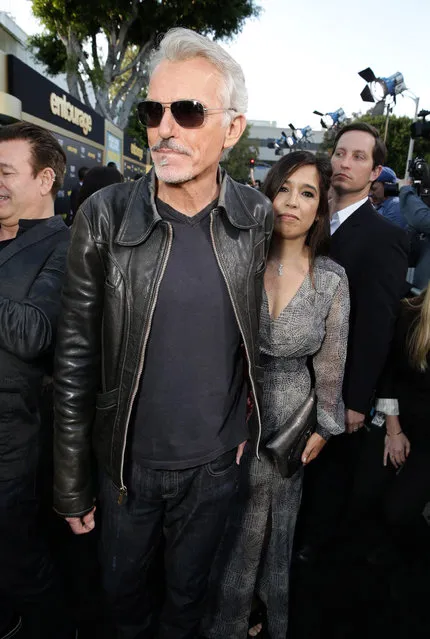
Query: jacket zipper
x=241 y=332
x=123 y=488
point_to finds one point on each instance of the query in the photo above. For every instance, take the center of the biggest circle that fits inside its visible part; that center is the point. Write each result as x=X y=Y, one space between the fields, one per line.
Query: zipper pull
x=122 y=494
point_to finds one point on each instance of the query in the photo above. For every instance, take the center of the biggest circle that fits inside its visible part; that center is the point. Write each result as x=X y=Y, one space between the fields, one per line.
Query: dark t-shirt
x=191 y=404
x=24 y=225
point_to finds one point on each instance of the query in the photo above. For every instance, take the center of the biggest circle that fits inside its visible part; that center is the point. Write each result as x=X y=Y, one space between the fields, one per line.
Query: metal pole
x=411 y=141
x=386 y=122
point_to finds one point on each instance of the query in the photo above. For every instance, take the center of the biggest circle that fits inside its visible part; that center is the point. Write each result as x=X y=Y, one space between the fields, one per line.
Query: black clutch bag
x=287 y=447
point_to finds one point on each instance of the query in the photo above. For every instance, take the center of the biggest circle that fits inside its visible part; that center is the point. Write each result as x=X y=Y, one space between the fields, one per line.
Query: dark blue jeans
x=183 y=513
x=29 y=584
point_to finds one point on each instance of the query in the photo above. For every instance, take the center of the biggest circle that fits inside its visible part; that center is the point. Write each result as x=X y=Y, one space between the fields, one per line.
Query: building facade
x=264 y=132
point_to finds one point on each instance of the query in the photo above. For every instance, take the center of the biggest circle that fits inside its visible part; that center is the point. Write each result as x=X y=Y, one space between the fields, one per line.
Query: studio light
x=281 y=143
x=380 y=88
x=301 y=135
x=298 y=136
x=332 y=118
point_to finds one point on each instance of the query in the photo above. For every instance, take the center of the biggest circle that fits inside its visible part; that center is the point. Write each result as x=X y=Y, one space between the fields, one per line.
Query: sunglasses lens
x=150 y=113
x=188 y=113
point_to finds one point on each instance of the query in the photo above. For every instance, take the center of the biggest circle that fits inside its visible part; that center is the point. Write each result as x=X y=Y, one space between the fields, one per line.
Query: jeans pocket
x=222 y=464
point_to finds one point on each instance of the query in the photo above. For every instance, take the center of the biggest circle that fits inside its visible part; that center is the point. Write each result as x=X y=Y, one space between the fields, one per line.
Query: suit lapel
x=349 y=227
x=33 y=235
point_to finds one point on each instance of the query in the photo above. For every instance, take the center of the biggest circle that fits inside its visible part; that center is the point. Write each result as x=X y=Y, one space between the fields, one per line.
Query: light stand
x=411 y=141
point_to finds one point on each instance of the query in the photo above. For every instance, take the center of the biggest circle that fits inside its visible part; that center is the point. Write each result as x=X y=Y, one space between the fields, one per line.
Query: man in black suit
x=374 y=253
x=33 y=246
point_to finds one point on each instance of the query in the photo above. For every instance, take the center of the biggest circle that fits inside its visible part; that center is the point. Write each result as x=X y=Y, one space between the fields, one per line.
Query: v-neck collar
x=296 y=294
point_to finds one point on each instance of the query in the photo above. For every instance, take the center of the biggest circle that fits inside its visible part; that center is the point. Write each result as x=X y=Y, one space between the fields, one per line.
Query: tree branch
x=123 y=32
x=84 y=91
x=122 y=117
x=138 y=59
x=79 y=52
x=94 y=52
x=102 y=100
x=123 y=91
x=108 y=71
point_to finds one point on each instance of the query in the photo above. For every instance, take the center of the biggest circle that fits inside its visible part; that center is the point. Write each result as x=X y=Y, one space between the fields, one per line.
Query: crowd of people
x=150 y=358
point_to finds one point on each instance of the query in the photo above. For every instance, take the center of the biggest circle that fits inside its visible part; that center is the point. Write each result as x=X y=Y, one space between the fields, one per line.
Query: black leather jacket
x=120 y=247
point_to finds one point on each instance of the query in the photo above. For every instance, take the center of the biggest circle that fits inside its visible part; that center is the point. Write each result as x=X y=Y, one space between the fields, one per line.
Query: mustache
x=172 y=146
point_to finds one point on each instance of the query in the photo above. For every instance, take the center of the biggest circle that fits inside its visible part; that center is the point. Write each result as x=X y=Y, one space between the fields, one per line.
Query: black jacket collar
x=141 y=213
x=39 y=232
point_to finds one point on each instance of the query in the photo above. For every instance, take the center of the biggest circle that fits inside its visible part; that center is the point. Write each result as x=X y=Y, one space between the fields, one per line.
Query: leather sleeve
x=268 y=229
x=28 y=326
x=77 y=371
x=378 y=291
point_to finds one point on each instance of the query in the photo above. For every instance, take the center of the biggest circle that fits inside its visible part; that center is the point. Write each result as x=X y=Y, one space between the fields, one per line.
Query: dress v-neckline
x=275 y=319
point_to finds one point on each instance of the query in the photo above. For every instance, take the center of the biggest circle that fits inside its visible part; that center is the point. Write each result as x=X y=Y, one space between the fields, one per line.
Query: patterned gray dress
x=256 y=551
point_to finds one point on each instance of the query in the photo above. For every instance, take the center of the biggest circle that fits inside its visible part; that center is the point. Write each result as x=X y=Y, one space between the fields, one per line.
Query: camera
x=391 y=190
x=421 y=128
x=419 y=172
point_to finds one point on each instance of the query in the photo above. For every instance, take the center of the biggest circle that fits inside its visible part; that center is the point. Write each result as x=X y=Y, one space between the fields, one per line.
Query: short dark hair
x=82 y=172
x=379 y=149
x=318 y=237
x=97 y=178
x=46 y=151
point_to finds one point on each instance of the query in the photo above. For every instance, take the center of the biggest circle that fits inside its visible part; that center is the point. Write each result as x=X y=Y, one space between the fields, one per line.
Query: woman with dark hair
x=304 y=320
x=96 y=179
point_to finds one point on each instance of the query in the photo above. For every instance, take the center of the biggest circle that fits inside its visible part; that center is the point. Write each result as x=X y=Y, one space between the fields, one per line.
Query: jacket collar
x=232 y=203
x=357 y=218
x=141 y=213
x=39 y=232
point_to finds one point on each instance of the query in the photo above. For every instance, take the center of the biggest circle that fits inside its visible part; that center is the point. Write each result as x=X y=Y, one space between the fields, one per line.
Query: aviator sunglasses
x=189 y=114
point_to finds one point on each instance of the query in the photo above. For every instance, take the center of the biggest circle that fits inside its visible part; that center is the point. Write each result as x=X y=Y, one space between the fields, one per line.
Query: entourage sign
x=43 y=99
x=134 y=159
x=66 y=110
x=136 y=151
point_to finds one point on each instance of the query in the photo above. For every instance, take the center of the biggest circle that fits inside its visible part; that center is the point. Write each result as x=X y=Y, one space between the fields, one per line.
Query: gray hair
x=183 y=44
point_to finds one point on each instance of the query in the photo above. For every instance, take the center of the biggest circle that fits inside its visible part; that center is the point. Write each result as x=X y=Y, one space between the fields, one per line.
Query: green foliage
x=50 y=51
x=134 y=129
x=127 y=26
x=237 y=162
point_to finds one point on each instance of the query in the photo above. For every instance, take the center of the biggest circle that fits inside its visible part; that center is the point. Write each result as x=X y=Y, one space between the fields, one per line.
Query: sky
x=301 y=56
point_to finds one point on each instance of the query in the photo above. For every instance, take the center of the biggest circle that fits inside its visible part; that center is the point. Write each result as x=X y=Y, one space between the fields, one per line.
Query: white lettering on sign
x=137 y=151
x=64 y=109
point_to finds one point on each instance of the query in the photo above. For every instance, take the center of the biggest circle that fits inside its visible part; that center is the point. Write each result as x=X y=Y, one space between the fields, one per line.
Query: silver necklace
x=280 y=269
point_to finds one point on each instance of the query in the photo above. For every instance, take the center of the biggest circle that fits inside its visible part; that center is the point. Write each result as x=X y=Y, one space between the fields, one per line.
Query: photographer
x=384 y=196
x=417 y=215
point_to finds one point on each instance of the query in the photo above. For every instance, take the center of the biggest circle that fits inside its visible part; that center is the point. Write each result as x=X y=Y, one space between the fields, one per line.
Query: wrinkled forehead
x=195 y=78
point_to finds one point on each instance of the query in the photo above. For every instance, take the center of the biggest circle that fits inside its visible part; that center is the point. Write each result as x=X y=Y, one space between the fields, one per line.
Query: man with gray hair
x=157 y=355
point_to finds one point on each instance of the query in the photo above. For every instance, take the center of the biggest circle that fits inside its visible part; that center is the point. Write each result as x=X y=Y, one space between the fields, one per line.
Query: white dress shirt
x=339 y=217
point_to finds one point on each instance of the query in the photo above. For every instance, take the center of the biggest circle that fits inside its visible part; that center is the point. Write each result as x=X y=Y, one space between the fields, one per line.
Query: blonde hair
x=419 y=335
